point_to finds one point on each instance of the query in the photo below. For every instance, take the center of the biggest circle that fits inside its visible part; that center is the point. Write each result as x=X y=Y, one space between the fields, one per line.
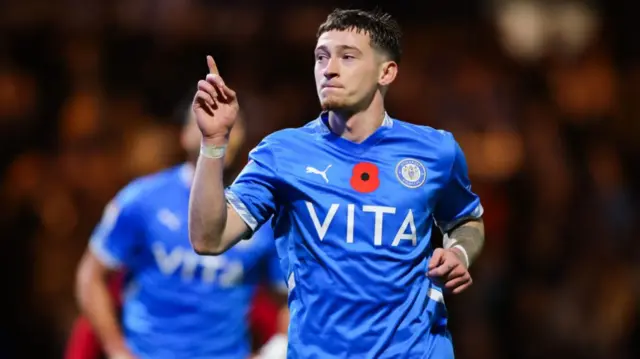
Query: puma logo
x=315 y=171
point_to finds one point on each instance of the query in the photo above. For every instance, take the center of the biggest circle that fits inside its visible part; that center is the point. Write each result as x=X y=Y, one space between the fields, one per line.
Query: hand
x=215 y=106
x=448 y=267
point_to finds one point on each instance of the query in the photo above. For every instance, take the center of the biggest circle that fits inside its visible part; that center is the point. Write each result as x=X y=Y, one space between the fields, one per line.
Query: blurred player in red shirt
x=265 y=320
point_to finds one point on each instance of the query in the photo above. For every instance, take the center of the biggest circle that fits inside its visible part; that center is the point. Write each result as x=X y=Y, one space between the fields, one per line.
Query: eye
x=321 y=57
x=348 y=57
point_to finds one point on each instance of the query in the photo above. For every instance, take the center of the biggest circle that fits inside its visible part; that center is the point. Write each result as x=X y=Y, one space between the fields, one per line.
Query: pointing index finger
x=213 y=69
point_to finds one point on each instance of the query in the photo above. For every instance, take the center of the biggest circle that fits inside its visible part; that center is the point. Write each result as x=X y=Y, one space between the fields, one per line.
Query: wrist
x=461 y=253
x=212 y=151
x=215 y=140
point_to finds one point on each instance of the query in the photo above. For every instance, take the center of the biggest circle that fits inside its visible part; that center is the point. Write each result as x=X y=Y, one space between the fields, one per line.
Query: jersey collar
x=353 y=147
x=324 y=122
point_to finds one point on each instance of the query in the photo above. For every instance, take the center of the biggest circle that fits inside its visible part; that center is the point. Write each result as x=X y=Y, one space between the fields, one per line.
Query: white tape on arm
x=464 y=253
x=449 y=242
x=213 y=152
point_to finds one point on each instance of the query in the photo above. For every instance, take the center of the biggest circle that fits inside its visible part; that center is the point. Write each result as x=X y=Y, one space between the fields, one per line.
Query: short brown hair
x=384 y=31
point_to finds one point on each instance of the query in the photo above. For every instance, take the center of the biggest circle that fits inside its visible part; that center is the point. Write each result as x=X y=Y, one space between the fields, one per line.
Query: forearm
x=207 y=206
x=98 y=307
x=468 y=239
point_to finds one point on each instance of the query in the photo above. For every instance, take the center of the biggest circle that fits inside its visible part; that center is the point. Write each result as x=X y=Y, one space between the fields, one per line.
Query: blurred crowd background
x=543 y=96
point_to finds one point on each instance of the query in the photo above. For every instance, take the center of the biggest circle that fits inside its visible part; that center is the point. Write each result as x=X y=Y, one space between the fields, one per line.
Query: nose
x=331 y=70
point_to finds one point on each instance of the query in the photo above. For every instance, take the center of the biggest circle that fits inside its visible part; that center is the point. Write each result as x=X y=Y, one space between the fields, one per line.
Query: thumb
x=437 y=258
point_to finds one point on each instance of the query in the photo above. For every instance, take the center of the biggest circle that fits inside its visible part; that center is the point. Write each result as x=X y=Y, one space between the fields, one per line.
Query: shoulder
x=292 y=134
x=441 y=140
x=425 y=133
x=286 y=138
x=145 y=187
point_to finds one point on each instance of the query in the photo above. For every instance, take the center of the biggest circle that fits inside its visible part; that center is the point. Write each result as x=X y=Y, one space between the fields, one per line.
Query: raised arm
x=219 y=219
x=213 y=225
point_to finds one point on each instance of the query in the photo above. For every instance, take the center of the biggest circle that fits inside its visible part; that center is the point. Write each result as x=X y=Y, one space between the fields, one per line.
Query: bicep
x=236 y=229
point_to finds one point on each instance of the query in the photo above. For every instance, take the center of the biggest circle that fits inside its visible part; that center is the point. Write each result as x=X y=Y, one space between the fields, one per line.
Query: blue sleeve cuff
x=477 y=212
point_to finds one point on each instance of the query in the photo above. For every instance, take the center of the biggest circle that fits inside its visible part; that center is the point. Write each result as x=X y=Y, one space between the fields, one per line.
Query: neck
x=357 y=126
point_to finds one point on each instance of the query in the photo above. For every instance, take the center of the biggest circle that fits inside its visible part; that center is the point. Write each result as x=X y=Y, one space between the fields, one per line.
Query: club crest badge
x=411 y=173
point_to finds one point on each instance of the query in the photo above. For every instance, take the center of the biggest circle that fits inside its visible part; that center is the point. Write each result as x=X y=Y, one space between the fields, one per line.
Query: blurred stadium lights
x=529 y=29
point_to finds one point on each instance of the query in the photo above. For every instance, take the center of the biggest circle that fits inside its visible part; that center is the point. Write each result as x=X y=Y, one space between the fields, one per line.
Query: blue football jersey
x=353 y=225
x=177 y=304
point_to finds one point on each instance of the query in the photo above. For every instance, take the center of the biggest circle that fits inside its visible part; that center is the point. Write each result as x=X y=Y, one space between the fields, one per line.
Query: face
x=191 y=139
x=348 y=70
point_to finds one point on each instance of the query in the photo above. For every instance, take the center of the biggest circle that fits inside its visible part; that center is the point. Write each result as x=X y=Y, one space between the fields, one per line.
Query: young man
x=353 y=216
x=176 y=304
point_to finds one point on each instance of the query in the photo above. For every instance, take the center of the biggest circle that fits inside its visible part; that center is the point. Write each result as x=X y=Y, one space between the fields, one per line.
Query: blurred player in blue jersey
x=353 y=194
x=176 y=304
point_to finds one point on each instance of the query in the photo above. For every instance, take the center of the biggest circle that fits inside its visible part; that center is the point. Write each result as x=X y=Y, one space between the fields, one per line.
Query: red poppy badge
x=364 y=178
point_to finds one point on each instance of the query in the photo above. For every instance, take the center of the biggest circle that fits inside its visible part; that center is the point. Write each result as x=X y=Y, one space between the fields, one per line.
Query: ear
x=388 y=73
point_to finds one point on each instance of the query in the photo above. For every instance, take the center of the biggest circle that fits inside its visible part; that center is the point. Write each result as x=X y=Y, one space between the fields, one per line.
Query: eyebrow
x=340 y=47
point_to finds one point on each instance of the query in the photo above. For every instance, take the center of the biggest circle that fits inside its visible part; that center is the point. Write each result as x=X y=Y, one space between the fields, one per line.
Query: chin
x=333 y=104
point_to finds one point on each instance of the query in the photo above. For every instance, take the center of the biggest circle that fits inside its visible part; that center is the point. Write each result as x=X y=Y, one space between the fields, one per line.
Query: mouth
x=331 y=86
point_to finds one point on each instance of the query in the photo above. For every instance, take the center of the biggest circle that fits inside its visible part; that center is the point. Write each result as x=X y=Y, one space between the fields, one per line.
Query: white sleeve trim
x=241 y=209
